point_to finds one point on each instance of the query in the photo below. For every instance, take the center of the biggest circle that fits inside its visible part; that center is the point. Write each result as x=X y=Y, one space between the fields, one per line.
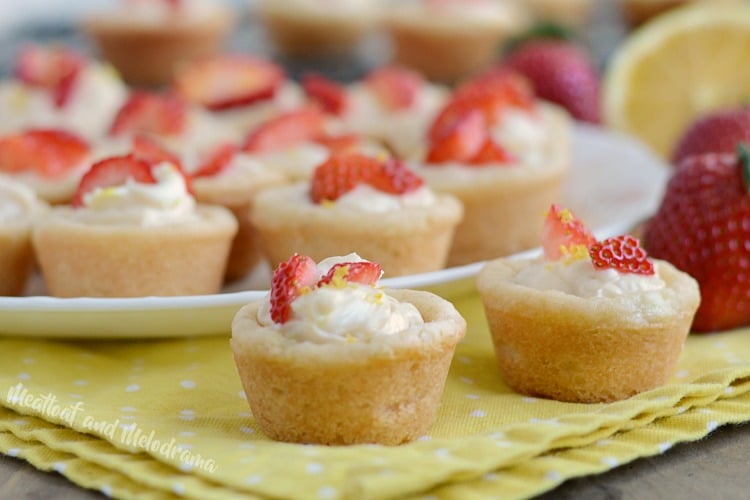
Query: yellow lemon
x=675 y=68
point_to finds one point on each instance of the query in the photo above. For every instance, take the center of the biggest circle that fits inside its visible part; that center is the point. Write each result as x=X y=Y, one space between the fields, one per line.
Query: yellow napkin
x=159 y=419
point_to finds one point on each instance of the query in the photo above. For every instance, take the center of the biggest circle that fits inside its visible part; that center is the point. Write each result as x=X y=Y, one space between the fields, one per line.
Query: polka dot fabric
x=163 y=419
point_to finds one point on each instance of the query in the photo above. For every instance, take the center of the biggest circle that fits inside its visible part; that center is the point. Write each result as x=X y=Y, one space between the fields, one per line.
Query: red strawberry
x=491 y=153
x=286 y=130
x=623 y=253
x=339 y=143
x=396 y=88
x=53 y=68
x=152 y=152
x=328 y=94
x=365 y=273
x=144 y=113
x=228 y=81
x=491 y=93
x=564 y=234
x=345 y=171
x=561 y=72
x=461 y=141
x=49 y=153
x=217 y=161
x=113 y=172
x=717 y=132
x=398 y=178
x=703 y=228
x=289 y=280
x=340 y=174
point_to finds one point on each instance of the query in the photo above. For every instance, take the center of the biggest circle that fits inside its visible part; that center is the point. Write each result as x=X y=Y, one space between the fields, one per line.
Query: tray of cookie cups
x=133 y=230
x=147 y=40
x=504 y=155
x=375 y=206
x=448 y=40
x=590 y=321
x=330 y=357
x=318 y=28
x=19 y=210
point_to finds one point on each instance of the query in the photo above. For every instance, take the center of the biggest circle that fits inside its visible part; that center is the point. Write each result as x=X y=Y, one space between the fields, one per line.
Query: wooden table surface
x=716 y=468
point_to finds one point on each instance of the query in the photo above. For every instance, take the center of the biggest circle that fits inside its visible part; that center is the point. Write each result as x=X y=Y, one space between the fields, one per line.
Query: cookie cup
x=312 y=32
x=16 y=252
x=444 y=48
x=147 y=53
x=386 y=390
x=79 y=258
x=236 y=192
x=502 y=204
x=586 y=350
x=412 y=240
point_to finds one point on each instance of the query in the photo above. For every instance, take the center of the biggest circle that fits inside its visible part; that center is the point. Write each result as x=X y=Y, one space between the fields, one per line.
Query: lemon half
x=675 y=68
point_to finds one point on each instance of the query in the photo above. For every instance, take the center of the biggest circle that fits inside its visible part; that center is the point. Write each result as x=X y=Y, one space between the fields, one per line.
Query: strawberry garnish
x=565 y=235
x=144 y=113
x=339 y=143
x=217 y=161
x=491 y=153
x=330 y=95
x=702 y=228
x=290 y=280
x=491 y=93
x=55 y=69
x=228 y=81
x=145 y=148
x=622 y=253
x=113 y=172
x=460 y=141
x=343 y=172
x=365 y=273
x=396 y=88
x=49 y=153
x=286 y=130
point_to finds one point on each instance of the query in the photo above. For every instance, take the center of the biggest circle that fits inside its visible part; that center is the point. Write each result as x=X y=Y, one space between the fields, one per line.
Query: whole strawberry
x=703 y=228
x=716 y=132
x=561 y=72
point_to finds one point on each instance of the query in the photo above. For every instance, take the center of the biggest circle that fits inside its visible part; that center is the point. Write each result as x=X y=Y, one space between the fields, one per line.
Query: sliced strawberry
x=365 y=273
x=56 y=69
x=330 y=95
x=144 y=113
x=289 y=280
x=491 y=93
x=286 y=130
x=623 y=253
x=145 y=148
x=113 y=172
x=341 y=173
x=148 y=150
x=400 y=178
x=564 y=234
x=48 y=153
x=218 y=160
x=491 y=153
x=395 y=87
x=339 y=143
x=461 y=142
x=228 y=81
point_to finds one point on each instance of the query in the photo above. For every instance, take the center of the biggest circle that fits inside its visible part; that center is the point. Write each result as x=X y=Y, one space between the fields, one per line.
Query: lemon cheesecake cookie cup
x=133 y=230
x=594 y=322
x=372 y=369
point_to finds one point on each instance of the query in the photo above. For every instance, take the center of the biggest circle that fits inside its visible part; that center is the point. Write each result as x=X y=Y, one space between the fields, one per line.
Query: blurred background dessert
x=146 y=40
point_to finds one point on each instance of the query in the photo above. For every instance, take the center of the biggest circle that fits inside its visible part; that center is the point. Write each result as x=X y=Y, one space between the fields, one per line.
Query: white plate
x=614 y=182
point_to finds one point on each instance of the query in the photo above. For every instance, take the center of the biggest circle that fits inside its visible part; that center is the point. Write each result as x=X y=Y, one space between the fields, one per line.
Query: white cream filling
x=365 y=198
x=17 y=201
x=351 y=313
